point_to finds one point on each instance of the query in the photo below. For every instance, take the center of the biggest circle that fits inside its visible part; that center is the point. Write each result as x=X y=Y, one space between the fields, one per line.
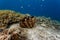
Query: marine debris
x=17 y=26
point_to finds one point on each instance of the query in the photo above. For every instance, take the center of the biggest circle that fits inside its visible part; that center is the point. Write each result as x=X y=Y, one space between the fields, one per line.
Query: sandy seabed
x=36 y=33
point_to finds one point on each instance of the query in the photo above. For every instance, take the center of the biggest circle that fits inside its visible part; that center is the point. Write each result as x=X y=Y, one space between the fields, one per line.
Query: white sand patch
x=40 y=33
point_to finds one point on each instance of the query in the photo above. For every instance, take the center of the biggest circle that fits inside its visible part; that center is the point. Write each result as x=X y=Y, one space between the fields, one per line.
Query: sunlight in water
x=43 y=0
x=29 y=5
x=21 y=6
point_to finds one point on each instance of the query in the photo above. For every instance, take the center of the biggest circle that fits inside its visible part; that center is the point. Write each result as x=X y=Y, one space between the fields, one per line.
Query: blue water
x=48 y=8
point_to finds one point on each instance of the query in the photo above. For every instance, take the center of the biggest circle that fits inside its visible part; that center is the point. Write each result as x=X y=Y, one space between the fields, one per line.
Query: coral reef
x=13 y=33
x=8 y=17
x=48 y=22
x=17 y=26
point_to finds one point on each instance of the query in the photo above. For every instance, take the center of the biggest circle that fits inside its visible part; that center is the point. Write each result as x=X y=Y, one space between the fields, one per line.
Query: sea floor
x=44 y=29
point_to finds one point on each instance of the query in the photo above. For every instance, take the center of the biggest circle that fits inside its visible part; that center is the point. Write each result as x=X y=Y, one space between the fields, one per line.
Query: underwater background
x=48 y=8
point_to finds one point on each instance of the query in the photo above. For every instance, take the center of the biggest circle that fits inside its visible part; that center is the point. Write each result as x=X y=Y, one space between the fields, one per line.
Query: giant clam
x=28 y=22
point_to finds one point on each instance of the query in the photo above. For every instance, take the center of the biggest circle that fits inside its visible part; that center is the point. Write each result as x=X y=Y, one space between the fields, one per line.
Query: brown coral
x=17 y=37
x=28 y=22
